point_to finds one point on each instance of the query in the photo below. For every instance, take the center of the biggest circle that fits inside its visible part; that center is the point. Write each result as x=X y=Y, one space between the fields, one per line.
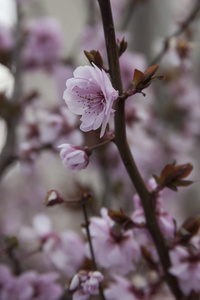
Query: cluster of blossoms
x=85 y=284
x=64 y=252
x=90 y=94
x=29 y=285
x=113 y=248
x=42 y=128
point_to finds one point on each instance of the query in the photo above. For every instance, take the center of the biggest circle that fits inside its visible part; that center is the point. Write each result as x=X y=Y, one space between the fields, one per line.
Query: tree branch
x=181 y=29
x=124 y=150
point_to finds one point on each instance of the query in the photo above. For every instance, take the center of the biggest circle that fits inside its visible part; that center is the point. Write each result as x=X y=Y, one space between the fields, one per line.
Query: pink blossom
x=112 y=249
x=165 y=220
x=64 y=251
x=90 y=94
x=74 y=158
x=7 y=284
x=43 y=43
x=186 y=267
x=29 y=286
x=122 y=288
x=85 y=284
x=41 y=226
x=34 y=286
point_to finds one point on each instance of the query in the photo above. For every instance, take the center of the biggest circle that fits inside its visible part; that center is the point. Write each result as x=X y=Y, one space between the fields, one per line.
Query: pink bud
x=74 y=158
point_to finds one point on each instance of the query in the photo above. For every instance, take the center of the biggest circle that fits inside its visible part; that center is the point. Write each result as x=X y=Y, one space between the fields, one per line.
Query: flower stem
x=101 y=144
x=83 y=203
x=184 y=25
x=124 y=150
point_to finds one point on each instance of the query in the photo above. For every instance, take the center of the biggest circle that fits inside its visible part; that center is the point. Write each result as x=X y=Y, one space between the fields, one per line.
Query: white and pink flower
x=91 y=94
x=84 y=284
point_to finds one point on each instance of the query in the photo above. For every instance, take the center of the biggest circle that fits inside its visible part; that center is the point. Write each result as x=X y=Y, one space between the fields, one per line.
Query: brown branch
x=185 y=24
x=124 y=150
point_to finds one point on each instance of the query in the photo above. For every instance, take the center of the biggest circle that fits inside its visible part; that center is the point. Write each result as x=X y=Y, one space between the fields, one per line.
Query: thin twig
x=130 y=9
x=124 y=150
x=185 y=24
x=90 y=244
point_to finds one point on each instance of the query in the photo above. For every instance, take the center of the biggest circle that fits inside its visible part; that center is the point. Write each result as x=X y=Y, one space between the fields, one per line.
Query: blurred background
x=161 y=127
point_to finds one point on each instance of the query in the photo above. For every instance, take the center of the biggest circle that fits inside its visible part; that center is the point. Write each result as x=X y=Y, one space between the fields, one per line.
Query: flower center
x=93 y=100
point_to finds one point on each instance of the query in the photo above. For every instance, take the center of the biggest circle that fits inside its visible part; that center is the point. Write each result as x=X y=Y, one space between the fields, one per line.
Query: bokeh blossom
x=186 y=267
x=90 y=94
x=85 y=284
x=74 y=158
x=113 y=249
x=28 y=286
x=122 y=288
x=43 y=43
x=165 y=220
x=64 y=251
x=6 y=39
x=32 y=285
x=7 y=283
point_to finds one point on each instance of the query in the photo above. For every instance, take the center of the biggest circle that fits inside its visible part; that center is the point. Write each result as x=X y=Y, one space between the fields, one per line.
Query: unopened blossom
x=186 y=267
x=85 y=284
x=113 y=249
x=74 y=158
x=90 y=94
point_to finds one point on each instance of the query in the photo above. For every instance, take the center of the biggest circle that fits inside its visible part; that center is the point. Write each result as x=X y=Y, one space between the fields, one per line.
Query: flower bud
x=53 y=198
x=74 y=158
